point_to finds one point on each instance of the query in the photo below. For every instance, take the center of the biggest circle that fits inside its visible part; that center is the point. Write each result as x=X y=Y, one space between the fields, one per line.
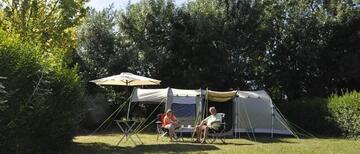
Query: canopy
x=126 y=79
x=217 y=96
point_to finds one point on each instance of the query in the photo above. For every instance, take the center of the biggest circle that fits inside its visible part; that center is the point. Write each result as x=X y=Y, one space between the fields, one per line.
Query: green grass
x=106 y=143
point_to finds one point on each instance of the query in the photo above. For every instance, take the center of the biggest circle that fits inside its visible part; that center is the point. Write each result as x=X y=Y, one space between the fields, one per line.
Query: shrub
x=345 y=110
x=310 y=114
x=43 y=99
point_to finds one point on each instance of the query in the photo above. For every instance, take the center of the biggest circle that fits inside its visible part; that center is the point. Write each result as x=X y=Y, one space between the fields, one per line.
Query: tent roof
x=184 y=92
x=160 y=95
x=254 y=94
x=149 y=95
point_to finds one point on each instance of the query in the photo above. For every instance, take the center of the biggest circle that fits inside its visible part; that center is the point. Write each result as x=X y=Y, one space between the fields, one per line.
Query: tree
x=96 y=43
x=48 y=22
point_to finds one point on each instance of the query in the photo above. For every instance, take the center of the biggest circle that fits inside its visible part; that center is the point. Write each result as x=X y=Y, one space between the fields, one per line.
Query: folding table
x=126 y=126
x=183 y=129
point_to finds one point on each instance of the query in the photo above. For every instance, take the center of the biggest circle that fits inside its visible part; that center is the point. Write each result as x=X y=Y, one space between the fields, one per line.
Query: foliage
x=293 y=49
x=310 y=114
x=102 y=47
x=47 y=24
x=43 y=98
x=345 y=110
x=96 y=43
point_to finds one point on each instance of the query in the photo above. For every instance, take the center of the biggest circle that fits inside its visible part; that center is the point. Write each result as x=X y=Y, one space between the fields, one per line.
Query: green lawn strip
x=106 y=143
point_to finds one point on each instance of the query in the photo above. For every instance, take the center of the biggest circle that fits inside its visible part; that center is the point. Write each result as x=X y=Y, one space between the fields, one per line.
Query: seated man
x=170 y=122
x=212 y=121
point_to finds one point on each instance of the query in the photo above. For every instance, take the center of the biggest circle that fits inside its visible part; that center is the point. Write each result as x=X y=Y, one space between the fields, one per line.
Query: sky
x=118 y=4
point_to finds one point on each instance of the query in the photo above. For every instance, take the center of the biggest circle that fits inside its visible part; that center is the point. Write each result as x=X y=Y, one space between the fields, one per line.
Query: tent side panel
x=253 y=114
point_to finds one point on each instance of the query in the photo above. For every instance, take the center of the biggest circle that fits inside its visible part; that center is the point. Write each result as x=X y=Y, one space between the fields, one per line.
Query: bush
x=310 y=114
x=43 y=99
x=345 y=111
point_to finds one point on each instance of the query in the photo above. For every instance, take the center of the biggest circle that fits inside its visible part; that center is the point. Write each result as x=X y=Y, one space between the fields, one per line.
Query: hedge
x=345 y=111
x=43 y=105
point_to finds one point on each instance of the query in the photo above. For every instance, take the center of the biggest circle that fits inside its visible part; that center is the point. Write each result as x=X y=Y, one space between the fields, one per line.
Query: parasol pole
x=127 y=91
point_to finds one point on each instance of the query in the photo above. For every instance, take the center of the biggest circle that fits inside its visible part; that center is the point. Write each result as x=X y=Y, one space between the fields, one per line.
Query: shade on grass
x=107 y=144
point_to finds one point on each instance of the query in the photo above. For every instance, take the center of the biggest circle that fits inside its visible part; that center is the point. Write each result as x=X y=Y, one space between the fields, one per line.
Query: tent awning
x=218 y=96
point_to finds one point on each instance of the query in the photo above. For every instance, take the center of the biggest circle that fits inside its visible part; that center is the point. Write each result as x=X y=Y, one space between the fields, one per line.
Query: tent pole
x=128 y=111
x=237 y=108
x=238 y=117
x=272 y=120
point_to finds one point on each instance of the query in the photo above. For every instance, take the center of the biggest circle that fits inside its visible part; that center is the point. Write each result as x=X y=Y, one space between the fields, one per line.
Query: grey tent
x=251 y=111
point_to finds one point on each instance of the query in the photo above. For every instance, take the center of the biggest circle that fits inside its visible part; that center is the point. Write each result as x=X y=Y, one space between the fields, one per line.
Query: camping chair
x=161 y=131
x=219 y=133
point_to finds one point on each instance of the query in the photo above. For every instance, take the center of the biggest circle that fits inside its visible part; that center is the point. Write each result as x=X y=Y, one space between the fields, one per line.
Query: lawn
x=106 y=143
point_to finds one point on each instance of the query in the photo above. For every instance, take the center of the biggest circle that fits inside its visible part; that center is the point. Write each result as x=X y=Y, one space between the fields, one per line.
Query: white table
x=184 y=129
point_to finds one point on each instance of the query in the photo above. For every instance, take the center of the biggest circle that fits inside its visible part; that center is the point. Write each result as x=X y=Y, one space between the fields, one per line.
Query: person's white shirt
x=213 y=118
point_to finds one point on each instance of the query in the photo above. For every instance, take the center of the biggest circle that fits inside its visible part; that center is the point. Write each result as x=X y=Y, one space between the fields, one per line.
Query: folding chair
x=161 y=131
x=219 y=133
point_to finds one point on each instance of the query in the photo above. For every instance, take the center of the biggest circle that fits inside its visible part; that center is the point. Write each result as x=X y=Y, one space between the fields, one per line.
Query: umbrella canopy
x=126 y=79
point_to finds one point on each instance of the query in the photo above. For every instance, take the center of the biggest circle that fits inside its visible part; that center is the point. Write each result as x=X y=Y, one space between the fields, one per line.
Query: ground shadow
x=230 y=143
x=268 y=140
x=174 y=148
x=90 y=148
x=218 y=142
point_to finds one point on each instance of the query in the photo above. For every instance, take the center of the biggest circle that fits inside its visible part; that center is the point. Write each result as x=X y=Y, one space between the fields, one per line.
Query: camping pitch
x=247 y=111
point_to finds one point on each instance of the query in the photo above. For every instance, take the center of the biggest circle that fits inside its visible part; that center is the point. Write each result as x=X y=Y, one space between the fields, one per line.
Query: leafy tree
x=97 y=43
x=148 y=25
x=49 y=23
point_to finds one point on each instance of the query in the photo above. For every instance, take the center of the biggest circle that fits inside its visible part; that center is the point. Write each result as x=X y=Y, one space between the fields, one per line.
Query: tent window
x=184 y=100
x=184 y=110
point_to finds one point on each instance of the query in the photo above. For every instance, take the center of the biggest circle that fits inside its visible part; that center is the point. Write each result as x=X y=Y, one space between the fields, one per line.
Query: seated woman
x=212 y=121
x=170 y=122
